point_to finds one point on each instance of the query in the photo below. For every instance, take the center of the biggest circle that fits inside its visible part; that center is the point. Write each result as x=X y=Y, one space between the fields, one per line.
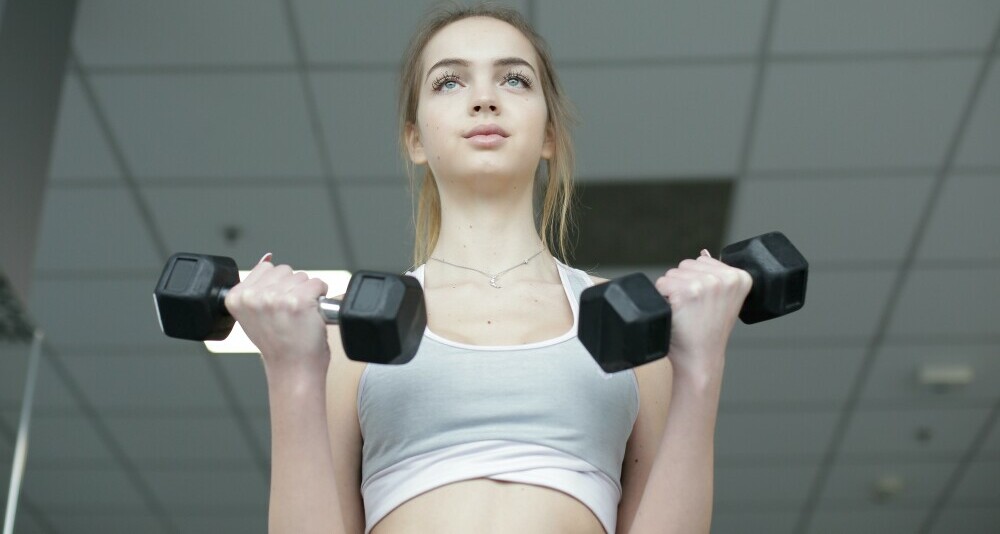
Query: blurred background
x=868 y=131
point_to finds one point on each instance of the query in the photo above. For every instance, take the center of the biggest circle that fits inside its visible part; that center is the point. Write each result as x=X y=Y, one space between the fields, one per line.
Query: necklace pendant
x=493 y=282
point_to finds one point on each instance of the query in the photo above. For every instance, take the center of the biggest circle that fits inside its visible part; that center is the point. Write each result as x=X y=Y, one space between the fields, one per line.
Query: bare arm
x=678 y=492
x=303 y=487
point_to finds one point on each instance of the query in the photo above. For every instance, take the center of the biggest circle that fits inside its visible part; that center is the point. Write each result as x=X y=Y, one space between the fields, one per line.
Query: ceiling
x=867 y=131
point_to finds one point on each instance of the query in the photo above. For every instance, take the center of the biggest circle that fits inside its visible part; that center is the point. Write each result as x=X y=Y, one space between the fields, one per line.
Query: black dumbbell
x=382 y=316
x=626 y=322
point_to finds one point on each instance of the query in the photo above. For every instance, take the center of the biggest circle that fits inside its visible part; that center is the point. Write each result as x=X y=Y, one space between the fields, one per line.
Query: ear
x=413 y=145
x=549 y=145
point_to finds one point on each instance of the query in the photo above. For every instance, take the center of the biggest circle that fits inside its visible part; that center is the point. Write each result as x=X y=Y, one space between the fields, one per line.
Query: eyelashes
x=452 y=77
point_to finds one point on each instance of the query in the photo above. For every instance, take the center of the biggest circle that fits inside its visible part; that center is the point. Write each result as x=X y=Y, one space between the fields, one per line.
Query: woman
x=502 y=422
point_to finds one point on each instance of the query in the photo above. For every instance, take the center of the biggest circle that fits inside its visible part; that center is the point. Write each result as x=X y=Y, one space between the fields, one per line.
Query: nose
x=484 y=99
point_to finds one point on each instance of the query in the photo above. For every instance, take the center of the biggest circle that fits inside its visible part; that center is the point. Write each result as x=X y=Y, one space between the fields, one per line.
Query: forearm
x=678 y=493
x=303 y=487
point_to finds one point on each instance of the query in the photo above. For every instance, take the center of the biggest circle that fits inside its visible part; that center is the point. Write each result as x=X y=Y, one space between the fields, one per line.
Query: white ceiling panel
x=797 y=435
x=247 y=522
x=146 y=383
x=295 y=223
x=965 y=221
x=842 y=115
x=896 y=431
x=650 y=28
x=246 y=374
x=189 y=32
x=86 y=229
x=799 y=375
x=189 y=437
x=834 y=220
x=220 y=488
x=115 y=312
x=764 y=485
x=739 y=522
x=866 y=521
x=853 y=484
x=223 y=125
x=354 y=32
x=840 y=305
x=981 y=141
x=979 y=485
x=967 y=520
x=895 y=375
x=381 y=224
x=79 y=488
x=358 y=113
x=658 y=122
x=948 y=302
x=66 y=438
x=79 y=148
x=884 y=25
x=86 y=522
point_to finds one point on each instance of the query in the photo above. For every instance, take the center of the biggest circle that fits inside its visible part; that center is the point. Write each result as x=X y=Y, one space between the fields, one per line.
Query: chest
x=512 y=315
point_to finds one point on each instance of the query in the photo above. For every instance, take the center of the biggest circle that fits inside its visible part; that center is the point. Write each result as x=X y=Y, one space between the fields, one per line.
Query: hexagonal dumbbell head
x=383 y=318
x=189 y=296
x=779 y=274
x=624 y=322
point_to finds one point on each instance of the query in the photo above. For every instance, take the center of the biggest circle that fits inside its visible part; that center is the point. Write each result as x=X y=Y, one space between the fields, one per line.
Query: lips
x=486 y=129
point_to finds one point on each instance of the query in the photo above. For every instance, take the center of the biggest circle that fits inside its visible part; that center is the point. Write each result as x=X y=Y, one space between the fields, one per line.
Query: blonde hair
x=557 y=209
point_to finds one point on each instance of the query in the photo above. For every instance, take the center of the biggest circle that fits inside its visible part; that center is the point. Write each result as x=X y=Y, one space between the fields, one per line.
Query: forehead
x=478 y=39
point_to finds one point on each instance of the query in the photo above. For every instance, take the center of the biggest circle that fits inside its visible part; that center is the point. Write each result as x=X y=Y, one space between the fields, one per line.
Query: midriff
x=490 y=506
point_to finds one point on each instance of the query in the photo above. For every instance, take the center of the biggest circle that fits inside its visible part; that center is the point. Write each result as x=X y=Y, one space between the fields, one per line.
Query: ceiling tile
x=650 y=28
x=763 y=485
x=183 y=382
x=840 y=305
x=894 y=377
x=87 y=522
x=190 y=437
x=948 y=302
x=842 y=115
x=13 y=374
x=865 y=521
x=333 y=31
x=150 y=32
x=246 y=374
x=884 y=25
x=793 y=435
x=221 y=488
x=895 y=431
x=834 y=220
x=965 y=220
x=736 y=521
x=979 y=485
x=853 y=483
x=79 y=147
x=98 y=312
x=222 y=125
x=982 y=135
x=381 y=225
x=660 y=122
x=66 y=438
x=789 y=376
x=79 y=488
x=966 y=520
x=991 y=447
x=93 y=228
x=358 y=113
x=295 y=223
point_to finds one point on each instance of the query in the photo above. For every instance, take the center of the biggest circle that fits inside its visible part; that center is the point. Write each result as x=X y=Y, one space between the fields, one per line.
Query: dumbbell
x=382 y=316
x=626 y=322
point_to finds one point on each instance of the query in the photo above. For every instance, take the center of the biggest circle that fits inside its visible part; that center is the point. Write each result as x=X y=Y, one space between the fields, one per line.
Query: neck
x=490 y=233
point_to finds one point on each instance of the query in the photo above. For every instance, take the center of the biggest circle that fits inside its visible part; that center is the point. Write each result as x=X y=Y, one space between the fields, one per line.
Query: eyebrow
x=506 y=61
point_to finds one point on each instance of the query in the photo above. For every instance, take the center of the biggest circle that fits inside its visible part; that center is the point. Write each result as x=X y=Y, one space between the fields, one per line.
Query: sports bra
x=541 y=413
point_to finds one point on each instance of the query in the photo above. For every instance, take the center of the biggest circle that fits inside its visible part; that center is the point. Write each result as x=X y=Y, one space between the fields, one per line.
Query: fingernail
x=265 y=257
x=704 y=252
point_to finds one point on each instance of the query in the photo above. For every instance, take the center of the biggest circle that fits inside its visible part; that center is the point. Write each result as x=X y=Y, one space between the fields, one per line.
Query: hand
x=705 y=299
x=278 y=310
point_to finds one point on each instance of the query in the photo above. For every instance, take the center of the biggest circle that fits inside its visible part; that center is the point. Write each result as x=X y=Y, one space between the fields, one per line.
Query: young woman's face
x=480 y=72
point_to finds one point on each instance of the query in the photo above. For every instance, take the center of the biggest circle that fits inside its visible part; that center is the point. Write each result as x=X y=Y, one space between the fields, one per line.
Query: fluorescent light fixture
x=238 y=342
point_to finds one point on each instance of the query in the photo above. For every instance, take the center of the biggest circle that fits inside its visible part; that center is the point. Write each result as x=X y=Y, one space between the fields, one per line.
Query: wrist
x=295 y=375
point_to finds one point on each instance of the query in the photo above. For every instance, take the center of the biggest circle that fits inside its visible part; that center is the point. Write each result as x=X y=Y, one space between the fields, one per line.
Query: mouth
x=486 y=130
